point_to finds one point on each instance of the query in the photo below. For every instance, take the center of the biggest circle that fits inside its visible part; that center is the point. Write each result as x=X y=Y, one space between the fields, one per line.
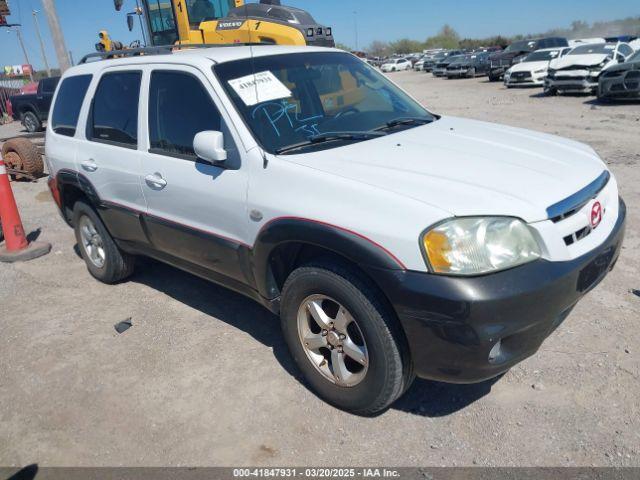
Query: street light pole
x=24 y=50
x=44 y=55
x=355 y=21
x=56 y=34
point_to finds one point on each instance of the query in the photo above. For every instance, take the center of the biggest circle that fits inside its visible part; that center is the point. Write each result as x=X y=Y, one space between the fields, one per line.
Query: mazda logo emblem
x=596 y=214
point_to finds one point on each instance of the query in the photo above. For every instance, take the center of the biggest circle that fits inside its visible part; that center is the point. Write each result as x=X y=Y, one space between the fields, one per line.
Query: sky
x=372 y=20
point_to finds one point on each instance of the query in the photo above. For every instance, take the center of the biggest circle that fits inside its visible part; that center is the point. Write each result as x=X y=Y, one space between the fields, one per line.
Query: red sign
x=596 y=214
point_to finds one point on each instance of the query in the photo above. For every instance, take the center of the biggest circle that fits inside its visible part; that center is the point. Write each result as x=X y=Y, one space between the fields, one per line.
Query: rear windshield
x=542 y=56
x=521 y=46
x=66 y=110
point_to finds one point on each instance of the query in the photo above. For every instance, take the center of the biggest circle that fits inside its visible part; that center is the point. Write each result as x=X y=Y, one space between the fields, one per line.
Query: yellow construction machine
x=221 y=22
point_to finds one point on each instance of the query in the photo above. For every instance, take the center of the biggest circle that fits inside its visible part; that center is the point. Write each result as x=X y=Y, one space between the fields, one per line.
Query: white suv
x=391 y=241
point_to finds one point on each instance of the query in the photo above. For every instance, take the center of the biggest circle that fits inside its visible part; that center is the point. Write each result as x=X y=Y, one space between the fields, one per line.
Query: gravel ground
x=203 y=377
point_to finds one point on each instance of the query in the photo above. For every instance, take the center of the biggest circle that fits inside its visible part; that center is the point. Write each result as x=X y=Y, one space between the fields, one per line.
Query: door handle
x=89 y=165
x=155 y=181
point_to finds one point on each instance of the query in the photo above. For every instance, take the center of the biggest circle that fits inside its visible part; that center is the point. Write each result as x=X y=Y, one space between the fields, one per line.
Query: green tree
x=406 y=45
x=342 y=46
x=447 y=37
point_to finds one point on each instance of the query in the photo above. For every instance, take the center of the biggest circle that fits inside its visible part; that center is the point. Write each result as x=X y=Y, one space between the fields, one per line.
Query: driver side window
x=179 y=108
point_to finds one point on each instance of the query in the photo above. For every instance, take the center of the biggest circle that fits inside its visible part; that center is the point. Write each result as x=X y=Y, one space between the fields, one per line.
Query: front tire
x=105 y=261
x=471 y=73
x=550 y=91
x=347 y=343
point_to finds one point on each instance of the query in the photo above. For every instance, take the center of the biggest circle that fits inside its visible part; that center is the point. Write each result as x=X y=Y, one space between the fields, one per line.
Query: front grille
x=577 y=236
x=521 y=75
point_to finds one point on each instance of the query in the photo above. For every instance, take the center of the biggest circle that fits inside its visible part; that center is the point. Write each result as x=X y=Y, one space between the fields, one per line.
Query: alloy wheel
x=92 y=242
x=332 y=340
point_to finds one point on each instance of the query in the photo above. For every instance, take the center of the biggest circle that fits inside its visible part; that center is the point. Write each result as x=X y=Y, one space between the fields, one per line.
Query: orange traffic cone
x=16 y=247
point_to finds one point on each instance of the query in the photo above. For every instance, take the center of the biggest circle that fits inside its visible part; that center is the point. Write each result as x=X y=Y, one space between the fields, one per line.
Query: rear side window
x=114 y=113
x=179 y=108
x=68 y=103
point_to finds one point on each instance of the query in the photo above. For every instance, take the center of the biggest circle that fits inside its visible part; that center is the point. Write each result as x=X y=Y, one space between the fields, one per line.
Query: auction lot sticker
x=259 y=87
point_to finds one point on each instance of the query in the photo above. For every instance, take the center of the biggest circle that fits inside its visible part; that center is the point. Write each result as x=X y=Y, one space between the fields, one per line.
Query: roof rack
x=157 y=50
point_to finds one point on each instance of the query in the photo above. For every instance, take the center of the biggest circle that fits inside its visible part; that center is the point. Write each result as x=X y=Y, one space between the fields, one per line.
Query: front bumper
x=526 y=81
x=570 y=85
x=626 y=85
x=457 y=73
x=453 y=323
x=498 y=70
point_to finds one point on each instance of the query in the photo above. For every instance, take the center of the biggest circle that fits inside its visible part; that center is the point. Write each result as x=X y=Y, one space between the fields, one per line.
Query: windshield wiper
x=331 y=137
x=405 y=121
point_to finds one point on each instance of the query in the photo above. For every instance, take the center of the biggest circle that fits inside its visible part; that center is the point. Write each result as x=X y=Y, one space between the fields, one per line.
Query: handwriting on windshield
x=283 y=114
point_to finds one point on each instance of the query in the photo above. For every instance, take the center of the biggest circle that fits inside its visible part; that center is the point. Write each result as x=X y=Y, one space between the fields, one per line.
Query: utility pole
x=44 y=55
x=56 y=34
x=355 y=20
x=24 y=50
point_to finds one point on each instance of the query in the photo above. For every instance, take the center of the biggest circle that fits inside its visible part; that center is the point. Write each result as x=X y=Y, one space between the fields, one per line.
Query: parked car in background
x=396 y=65
x=440 y=68
x=533 y=69
x=621 y=81
x=502 y=61
x=32 y=109
x=470 y=65
x=579 y=71
x=418 y=66
x=433 y=60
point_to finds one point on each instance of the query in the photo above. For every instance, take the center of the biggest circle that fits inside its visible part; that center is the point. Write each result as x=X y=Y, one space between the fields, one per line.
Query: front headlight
x=477 y=245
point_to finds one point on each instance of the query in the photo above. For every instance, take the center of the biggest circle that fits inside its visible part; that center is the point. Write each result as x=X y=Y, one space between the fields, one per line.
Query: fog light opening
x=496 y=352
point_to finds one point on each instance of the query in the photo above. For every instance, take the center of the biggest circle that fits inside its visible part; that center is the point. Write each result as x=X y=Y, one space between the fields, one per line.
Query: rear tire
x=388 y=369
x=105 y=261
x=493 y=78
x=31 y=122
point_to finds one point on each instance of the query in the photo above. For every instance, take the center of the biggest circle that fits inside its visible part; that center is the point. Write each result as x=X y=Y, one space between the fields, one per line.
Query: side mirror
x=130 y=22
x=209 y=146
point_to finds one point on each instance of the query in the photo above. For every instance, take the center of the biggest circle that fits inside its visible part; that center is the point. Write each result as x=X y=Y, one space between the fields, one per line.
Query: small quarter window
x=114 y=114
x=66 y=110
x=179 y=108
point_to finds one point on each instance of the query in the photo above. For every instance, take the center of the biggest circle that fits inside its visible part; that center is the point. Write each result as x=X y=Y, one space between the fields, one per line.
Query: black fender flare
x=68 y=179
x=346 y=243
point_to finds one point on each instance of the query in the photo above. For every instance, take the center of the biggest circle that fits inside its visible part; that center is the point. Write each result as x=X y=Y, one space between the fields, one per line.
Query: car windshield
x=521 y=46
x=542 y=56
x=597 y=48
x=460 y=59
x=292 y=99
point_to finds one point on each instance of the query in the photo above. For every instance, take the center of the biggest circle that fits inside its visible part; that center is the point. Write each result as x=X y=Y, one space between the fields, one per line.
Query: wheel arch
x=286 y=243
x=72 y=187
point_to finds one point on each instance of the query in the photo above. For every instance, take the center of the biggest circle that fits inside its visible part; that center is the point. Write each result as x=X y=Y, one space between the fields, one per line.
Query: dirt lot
x=204 y=378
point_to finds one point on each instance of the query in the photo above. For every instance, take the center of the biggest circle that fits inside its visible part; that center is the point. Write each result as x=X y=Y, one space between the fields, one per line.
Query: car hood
x=589 y=60
x=529 y=66
x=466 y=167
